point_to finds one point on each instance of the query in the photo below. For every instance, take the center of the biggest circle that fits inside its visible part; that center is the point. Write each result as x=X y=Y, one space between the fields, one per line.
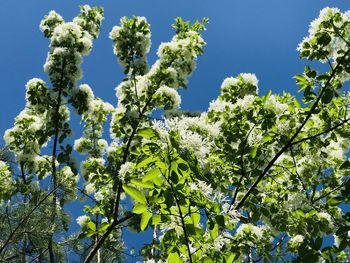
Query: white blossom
x=90 y=188
x=99 y=196
x=171 y=95
x=250 y=78
x=125 y=169
x=297 y=239
x=82 y=220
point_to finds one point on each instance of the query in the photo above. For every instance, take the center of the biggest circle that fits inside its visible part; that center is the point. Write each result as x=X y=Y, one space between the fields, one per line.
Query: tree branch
x=180 y=212
x=289 y=143
x=321 y=133
x=26 y=218
x=109 y=230
x=242 y=170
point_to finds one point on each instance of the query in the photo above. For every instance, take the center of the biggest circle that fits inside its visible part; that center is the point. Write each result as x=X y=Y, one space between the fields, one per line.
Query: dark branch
x=289 y=143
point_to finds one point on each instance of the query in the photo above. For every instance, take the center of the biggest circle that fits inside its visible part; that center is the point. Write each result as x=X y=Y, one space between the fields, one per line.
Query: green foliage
x=254 y=178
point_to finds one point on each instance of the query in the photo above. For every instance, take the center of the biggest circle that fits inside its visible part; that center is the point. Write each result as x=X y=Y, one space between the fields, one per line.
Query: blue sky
x=243 y=36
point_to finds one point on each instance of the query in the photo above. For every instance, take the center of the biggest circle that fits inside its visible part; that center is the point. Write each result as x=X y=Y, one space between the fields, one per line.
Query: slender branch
x=109 y=230
x=117 y=185
x=321 y=133
x=57 y=129
x=38 y=256
x=242 y=169
x=26 y=218
x=313 y=192
x=54 y=155
x=289 y=143
x=181 y=215
x=331 y=191
x=298 y=175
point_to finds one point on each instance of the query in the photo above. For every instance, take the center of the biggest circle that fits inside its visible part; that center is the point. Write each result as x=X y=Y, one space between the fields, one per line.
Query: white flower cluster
x=23 y=138
x=82 y=220
x=37 y=95
x=195 y=143
x=297 y=239
x=201 y=186
x=92 y=167
x=49 y=23
x=67 y=178
x=327 y=38
x=132 y=42
x=232 y=214
x=182 y=52
x=82 y=145
x=175 y=224
x=176 y=62
x=249 y=229
x=99 y=196
x=171 y=97
x=90 y=188
x=94 y=116
x=90 y=19
x=297 y=201
x=220 y=106
x=209 y=243
x=245 y=103
x=273 y=103
x=85 y=89
x=150 y=260
x=5 y=179
x=125 y=170
x=327 y=218
x=337 y=149
x=233 y=89
x=42 y=166
x=249 y=78
x=255 y=137
x=69 y=42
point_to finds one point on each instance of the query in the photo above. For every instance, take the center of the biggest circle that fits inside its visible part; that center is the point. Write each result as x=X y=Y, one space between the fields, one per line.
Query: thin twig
x=289 y=143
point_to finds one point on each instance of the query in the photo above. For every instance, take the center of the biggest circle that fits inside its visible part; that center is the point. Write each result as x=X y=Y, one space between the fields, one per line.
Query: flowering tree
x=256 y=178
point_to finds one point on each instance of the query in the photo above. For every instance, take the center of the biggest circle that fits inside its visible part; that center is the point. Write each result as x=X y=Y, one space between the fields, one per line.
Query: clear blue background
x=243 y=36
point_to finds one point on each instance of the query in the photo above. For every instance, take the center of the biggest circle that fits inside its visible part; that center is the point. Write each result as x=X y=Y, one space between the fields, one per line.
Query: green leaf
x=345 y=165
x=91 y=225
x=140 y=208
x=195 y=218
x=311 y=213
x=135 y=193
x=139 y=182
x=318 y=243
x=145 y=161
x=145 y=217
x=342 y=230
x=150 y=148
x=254 y=151
x=267 y=96
x=335 y=201
x=300 y=213
x=103 y=227
x=327 y=96
x=147 y=133
x=214 y=231
x=296 y=103
x=153 y=176
x=90 y=233
x=174 y=258
x=156 y=219
x=220 y=219
x=300 y=79
x=230 y=258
